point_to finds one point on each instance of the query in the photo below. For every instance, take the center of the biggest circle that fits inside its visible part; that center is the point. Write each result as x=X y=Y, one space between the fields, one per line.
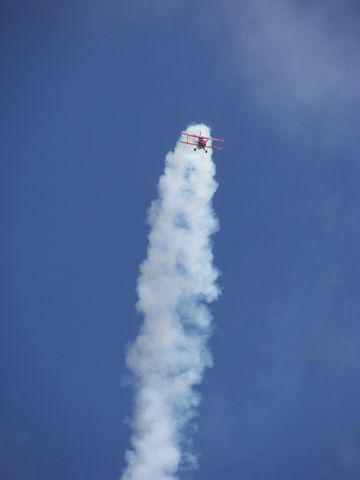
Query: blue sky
x=94 y=94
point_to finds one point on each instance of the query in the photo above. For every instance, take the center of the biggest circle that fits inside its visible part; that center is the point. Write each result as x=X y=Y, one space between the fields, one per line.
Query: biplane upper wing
x=195 y=136
x=203 y=136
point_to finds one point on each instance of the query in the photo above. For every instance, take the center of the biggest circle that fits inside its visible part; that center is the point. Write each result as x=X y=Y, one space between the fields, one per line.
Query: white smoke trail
x=177 y=278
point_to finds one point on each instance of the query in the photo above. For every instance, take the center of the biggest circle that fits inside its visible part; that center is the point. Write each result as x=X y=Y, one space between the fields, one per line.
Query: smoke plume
x=176 y=281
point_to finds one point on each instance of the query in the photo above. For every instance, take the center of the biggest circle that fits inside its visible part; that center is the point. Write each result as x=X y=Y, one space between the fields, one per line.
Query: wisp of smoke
x=176 y=281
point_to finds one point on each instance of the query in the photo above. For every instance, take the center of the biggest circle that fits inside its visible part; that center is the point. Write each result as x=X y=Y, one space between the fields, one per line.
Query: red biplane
x=200 y=141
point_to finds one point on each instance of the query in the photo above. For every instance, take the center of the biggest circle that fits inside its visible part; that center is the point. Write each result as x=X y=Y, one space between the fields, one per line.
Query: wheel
x=194 y=149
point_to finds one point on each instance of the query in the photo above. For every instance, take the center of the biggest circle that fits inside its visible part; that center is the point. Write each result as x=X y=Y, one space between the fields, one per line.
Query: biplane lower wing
x=214 y=147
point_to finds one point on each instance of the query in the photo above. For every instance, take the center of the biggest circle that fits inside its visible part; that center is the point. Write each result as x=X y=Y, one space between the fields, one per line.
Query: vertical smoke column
x=176 y=281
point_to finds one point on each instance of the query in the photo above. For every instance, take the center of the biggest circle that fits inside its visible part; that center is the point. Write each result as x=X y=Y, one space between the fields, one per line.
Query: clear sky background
x=93 y=95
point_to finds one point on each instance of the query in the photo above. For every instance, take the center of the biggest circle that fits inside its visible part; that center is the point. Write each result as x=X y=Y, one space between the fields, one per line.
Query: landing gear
x=205 y=151
x=194 y=149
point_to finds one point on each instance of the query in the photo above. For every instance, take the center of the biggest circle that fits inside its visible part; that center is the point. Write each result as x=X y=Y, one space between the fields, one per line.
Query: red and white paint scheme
x=200 y=141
